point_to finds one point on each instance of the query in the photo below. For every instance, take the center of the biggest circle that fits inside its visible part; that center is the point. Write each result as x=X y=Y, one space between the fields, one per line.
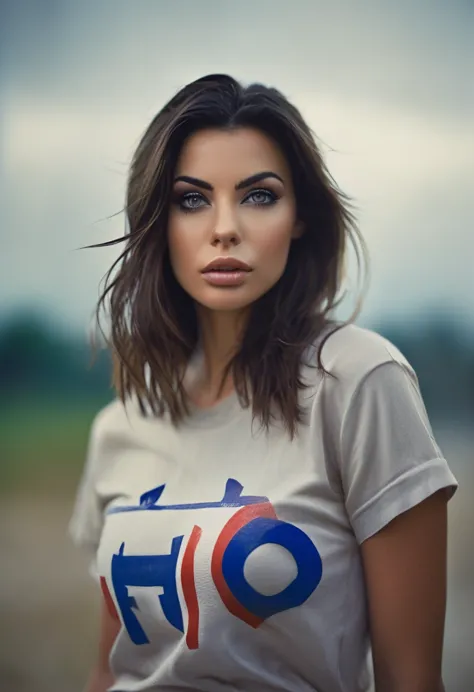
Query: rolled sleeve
x=390 y=461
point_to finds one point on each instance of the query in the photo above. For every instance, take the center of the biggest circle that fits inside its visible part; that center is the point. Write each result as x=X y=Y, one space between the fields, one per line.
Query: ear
x=298 y=230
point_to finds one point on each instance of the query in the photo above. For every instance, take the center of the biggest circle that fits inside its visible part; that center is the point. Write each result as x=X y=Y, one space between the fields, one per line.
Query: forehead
x=235 y=154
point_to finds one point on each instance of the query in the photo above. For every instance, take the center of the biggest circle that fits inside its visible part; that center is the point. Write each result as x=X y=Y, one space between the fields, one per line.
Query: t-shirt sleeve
x=86 y=522
x=390 y=461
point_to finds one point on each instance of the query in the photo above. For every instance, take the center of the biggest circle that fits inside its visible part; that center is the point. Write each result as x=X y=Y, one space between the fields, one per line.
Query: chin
x=225 y=305
x=227 y=300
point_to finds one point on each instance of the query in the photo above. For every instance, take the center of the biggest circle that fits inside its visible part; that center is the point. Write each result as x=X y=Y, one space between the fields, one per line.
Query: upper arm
x=86 y=528
x=405 y=572
x=101 y=678
x=396 y=484
x=109 y=629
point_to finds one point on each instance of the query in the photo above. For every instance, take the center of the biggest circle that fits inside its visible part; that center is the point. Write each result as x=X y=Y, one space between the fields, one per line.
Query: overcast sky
x=388 y=86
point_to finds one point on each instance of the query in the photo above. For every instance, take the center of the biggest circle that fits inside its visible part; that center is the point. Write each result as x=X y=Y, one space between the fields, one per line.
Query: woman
x=265 y=498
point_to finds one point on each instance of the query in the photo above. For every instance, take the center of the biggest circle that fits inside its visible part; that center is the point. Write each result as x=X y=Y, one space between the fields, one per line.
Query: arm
x=405 y=571
x=101 y=677
x=86 y=529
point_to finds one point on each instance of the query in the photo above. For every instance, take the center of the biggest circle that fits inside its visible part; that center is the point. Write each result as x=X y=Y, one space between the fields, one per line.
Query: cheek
x=181 y=244
x=274 y=242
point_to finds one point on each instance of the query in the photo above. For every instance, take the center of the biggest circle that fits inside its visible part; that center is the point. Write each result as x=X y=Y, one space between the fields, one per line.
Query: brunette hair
x=153 y=325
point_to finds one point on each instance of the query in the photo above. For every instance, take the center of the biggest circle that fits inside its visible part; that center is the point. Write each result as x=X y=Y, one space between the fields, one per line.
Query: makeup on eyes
x=249 y=184
x=182 y=198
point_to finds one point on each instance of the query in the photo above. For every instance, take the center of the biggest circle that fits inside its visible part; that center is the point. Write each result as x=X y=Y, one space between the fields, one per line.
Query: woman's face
x=233 y=204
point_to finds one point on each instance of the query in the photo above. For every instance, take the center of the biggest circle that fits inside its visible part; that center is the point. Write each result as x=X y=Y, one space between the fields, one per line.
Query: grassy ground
x=43 y=447
x=48 y=602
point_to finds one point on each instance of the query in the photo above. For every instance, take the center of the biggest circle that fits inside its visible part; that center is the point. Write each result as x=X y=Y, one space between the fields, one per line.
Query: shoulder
x=350 y=354
x=116 y=424
x=122 y=426
x=110 y=418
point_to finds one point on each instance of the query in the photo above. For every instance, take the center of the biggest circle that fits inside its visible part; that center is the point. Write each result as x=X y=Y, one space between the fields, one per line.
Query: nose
x=226 y=232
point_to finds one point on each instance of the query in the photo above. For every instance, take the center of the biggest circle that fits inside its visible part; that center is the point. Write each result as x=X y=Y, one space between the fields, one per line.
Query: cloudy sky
x=384 y=84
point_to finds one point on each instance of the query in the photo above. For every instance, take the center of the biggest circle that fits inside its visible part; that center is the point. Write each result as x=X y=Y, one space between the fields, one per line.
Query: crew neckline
x=210 y=416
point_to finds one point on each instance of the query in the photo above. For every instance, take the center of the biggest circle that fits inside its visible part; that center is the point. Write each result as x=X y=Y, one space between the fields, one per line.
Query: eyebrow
x=247 y=182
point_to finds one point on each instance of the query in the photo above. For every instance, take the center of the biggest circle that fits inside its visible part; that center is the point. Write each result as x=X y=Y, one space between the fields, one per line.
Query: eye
x=190 y=201
x=261 y=197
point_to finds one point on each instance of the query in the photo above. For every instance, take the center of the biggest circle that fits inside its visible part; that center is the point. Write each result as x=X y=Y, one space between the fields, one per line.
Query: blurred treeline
x=50 y=391
x=38 y=362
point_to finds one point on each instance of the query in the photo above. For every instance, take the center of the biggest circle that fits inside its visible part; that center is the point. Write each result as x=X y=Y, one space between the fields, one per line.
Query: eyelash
x=193 y=195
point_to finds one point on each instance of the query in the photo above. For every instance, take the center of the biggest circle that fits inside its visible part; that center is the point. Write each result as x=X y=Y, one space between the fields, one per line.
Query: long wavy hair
x=153 y=329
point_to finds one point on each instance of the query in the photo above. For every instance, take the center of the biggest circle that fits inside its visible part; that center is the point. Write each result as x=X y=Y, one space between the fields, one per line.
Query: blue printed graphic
x=259 y=532
x=147 y=570
x=232 y=498
x=254 y=524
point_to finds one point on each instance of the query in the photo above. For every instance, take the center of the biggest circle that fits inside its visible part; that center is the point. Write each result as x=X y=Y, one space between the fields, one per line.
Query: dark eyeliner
x=274 y=197
x=181 y=197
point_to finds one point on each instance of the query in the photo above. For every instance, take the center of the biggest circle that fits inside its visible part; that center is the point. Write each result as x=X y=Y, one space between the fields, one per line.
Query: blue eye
x=261 y=198
x=191 y=201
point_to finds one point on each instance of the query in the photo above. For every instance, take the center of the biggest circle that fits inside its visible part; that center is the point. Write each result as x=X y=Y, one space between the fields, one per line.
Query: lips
x=226 y=272
x=226 y=264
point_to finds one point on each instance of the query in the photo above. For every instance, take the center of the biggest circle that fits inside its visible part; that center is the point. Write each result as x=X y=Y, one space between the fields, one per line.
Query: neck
x=220 y=337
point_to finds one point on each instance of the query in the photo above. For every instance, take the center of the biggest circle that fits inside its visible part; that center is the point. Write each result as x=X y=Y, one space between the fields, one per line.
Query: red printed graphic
x=189 y=588
x=240 y=519
x=108 y=599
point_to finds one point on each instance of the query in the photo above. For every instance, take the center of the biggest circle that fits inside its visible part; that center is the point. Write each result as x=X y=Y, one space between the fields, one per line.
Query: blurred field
x=78 y=84
x=42 y=447
x=47 y=599
x=48 y=602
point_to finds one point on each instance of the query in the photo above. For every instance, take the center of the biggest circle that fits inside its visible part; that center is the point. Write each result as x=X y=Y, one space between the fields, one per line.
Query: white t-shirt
x=231 y=556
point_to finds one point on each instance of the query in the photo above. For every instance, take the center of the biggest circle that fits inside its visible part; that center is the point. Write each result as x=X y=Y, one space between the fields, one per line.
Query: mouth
x=226 y=265
x=226 y=272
